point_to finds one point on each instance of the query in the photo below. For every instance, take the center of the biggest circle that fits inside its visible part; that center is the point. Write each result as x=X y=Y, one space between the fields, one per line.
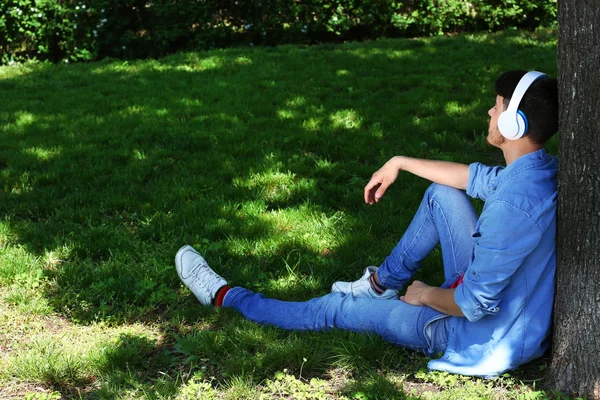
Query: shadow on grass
x=256 y=157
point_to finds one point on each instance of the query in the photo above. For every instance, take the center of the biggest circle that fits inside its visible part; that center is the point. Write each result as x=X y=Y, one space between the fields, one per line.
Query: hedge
x=66 y=30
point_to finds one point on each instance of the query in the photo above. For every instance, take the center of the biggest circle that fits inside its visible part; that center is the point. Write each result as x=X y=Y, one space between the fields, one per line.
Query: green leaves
x=87 y=30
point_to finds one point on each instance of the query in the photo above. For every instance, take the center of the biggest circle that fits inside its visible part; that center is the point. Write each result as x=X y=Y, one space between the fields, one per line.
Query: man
x=493 y=311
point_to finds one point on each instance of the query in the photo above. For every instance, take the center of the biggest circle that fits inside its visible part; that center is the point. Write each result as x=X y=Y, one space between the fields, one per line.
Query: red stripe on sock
x=221 y=295
x=376 y=286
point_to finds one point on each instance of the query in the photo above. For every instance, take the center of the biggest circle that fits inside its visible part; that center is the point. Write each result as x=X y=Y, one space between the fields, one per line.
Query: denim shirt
x=508 y=289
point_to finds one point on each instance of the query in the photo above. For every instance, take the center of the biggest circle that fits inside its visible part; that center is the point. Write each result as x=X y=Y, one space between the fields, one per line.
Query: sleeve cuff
x=470 y=307
x=471 y=184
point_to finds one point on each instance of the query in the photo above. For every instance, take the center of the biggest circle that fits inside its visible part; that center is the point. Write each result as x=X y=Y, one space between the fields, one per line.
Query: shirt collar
x=526 y=161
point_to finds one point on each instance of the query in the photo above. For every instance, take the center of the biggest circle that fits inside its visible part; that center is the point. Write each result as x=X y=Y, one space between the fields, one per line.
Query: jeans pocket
x=436 y=334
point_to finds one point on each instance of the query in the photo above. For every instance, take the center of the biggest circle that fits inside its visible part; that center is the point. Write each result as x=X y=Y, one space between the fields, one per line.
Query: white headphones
x=512 y=123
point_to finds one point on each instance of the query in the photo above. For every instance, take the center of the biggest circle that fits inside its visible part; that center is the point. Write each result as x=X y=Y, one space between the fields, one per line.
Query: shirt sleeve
x=506 y=236
x=479 y=179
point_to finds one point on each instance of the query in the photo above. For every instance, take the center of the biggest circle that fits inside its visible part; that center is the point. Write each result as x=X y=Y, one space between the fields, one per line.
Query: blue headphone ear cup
x=508 y=125
x=523 y=123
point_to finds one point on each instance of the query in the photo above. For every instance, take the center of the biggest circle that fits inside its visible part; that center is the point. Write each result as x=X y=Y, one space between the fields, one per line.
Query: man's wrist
x=399 y=162
x=427 y=296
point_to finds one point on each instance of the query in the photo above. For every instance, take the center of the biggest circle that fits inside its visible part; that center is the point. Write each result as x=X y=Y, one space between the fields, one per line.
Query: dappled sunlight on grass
x=286 y=114
x=325 y=165
x=455 y=109
x=44 y=154
x=293 y=284
x=275 y=187
x=385 y=51
x=192 y=102
x=24 y=119
x=132 y=110
x=139 y=155
x=243 y=60
x=191 y=63
x=345 y=119
x=312 y=124
x=161 y=113
x=545 y=38
x=272 y=233
x=297 y=101
x=197 y=61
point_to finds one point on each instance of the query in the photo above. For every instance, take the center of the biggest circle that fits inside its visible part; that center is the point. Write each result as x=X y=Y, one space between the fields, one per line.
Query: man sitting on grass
x=493 y=311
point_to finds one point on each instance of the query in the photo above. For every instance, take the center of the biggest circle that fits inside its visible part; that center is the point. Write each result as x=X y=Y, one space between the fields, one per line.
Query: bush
x=46 y=30
x=436 y=17
x=67 y=30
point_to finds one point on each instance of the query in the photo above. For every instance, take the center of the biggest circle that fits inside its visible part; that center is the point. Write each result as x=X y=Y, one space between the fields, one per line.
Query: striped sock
x=376 y=286
x=218 y=301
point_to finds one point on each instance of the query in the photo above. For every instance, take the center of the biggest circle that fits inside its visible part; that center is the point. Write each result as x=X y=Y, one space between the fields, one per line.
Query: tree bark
x=575 y=366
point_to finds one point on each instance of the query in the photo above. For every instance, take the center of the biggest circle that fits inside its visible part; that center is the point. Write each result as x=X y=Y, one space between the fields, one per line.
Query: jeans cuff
x=231 y=295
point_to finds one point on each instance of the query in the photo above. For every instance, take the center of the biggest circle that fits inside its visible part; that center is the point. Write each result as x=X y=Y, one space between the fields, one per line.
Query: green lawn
x=257 y=157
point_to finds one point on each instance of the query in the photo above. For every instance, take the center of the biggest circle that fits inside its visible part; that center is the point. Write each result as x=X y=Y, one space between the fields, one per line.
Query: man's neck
x=513 y=150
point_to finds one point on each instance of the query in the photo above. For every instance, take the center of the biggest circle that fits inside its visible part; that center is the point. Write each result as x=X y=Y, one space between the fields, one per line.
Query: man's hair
x=540 y=104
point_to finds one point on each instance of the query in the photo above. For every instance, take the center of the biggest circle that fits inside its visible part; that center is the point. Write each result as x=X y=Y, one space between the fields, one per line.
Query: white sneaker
x=362 y=287
x=195 y=273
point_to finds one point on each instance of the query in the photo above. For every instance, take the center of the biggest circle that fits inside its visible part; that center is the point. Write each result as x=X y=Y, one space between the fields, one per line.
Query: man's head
x=539 y=104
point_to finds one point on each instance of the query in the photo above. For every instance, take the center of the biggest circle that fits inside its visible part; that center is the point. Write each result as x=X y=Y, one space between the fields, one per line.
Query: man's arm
x=444 y=172
x=442 y=300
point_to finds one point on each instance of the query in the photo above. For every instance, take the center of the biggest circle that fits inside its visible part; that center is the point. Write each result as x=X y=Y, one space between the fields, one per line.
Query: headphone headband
x=526 y=81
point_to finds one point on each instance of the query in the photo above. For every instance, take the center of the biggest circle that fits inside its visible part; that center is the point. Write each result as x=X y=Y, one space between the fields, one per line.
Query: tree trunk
x=575 y=367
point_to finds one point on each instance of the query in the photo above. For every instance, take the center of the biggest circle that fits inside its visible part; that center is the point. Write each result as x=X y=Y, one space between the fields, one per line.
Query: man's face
x=494 y=137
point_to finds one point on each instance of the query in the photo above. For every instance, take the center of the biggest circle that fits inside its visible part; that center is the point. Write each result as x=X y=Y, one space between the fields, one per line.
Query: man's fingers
x=381 y=191
x=374 y=190
x=370 y=190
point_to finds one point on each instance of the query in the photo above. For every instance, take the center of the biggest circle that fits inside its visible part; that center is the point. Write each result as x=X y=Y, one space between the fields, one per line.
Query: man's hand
x=381 y=180
x=421 y=294
x=415 y=293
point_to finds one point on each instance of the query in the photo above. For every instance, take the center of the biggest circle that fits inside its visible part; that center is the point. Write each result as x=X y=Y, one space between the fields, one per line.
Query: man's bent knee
x=436 y=189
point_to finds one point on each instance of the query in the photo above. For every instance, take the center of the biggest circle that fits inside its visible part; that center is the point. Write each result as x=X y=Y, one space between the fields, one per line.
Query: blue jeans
x=445 y=216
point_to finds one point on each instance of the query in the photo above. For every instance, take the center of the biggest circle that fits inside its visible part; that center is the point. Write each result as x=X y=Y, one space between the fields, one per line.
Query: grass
x=257 y=157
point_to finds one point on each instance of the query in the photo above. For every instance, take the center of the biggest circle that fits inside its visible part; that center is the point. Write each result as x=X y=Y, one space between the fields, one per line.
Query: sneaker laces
x=205 y=278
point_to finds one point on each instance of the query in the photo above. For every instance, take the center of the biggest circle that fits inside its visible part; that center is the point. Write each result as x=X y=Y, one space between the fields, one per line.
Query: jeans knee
x=445 y=195
x=443 y=192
